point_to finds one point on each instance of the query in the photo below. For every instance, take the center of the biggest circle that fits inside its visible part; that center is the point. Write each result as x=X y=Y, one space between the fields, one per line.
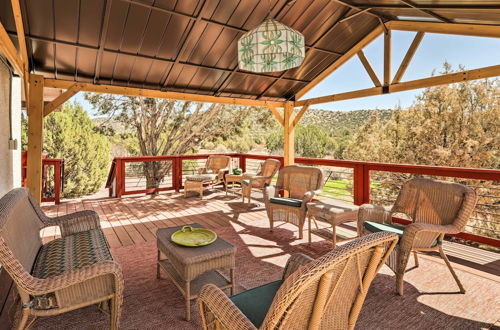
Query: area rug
x=430 y=300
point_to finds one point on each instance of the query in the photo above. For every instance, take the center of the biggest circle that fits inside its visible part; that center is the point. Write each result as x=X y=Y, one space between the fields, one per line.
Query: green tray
x=192 y=237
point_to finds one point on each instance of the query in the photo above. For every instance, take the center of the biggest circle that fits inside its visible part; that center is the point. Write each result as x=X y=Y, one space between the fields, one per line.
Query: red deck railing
x=51 y=187
x=364 y=177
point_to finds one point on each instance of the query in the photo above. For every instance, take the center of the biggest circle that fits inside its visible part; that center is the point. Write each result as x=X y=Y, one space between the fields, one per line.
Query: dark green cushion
x=286 y=201
x=375 y=227
x=255 y=303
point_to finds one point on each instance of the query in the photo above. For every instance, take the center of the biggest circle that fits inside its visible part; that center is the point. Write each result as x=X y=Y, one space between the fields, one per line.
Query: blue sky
x=434 y=50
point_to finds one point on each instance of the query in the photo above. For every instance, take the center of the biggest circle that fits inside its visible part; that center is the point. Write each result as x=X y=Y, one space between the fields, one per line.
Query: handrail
x=361 y=176
x=58 y=177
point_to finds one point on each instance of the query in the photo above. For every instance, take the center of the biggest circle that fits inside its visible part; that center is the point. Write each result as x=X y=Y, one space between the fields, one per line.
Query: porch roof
x=190 y=46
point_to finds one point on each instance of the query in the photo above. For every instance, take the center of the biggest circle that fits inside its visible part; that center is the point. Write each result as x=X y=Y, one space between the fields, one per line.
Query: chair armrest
x=373 y=213
x=269 y=192
x=75 y=222
x=215 y=306
x=295 y=261
x=308 y=196
x=36 y=286
x=412 y=230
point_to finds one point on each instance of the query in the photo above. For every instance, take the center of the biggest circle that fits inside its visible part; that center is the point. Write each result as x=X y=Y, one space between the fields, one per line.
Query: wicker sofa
x=67 y=273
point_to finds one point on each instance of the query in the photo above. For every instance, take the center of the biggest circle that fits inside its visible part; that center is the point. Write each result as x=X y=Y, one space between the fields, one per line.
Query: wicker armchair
x=210 y=175
x=67 y=273
x=299 y=184
x=435 y=207
x=260 y=180
x=326 y=293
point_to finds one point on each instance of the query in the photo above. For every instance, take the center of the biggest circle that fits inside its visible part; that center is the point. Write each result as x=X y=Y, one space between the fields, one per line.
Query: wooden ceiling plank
x=130 y=91
x=408 y=57
x=369 y=69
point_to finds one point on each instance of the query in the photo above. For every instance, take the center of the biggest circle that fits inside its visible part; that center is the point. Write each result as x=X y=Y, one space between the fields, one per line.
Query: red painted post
x=358 y=184
x=119 y=178
x=243 y=162
x=176 y=182
x=57 y=182
x=366 y=184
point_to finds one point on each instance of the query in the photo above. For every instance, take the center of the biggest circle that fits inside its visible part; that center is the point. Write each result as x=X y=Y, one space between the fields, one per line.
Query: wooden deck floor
x=134 y=220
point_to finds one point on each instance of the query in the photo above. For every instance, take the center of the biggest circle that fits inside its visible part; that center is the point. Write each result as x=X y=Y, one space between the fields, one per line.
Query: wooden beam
x=58 y=101
x=387 y=58
x=341 y=60
x=369 y=69
x=477 y=30
x=18 y=18
x=408 y=57
x=288 y=136
x=341 y=96
x=35 y=136
x=9 y=51
x=299 y=115
x=277 y=115
x=426 y=11
x=130 y=91
x=486 y=72
x=354 y=15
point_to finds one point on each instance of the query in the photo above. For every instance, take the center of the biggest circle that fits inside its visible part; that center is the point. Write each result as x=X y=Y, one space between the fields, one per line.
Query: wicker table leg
x=188 y=301
x=233 y=282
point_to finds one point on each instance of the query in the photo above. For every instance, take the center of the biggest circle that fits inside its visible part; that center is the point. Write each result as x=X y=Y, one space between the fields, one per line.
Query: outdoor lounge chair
x=435 y=208
x=326 y=293
x=299 y=184
x=67 y=273
x=260 y=180
x=210 y=175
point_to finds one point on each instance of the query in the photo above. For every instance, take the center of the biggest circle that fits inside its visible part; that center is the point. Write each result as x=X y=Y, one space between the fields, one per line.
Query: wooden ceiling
x=191 y=46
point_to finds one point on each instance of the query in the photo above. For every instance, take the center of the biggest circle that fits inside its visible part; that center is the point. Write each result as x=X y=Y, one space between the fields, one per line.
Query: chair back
x=20 y=222
x=215 y=163
x=328 y=293
x=269 y=168
x=298 y=180
x=436 y=202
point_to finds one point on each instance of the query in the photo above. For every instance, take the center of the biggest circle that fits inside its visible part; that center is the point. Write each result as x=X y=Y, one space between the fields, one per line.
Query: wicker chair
x=210 y=175
x=67 y=273
x=260 y=180
x=300 y=183
x=326 y=293
x=435 y=207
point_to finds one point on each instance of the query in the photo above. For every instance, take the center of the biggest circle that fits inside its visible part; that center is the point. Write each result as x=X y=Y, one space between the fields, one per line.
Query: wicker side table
x=191 y=268
x=232 y=178
x=333 y=212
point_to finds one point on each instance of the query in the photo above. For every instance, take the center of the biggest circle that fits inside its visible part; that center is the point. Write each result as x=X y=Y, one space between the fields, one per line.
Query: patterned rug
x=430 y=301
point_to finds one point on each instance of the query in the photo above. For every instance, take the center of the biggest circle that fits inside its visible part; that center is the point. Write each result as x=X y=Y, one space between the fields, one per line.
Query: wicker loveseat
x=67 y=273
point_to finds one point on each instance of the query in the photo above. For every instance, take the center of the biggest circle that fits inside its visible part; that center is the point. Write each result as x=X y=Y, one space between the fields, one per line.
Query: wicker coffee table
x=232 y=178
x=190 y=268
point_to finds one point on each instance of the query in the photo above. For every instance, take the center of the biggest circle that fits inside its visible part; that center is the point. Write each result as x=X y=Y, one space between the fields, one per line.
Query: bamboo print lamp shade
x=270 y=47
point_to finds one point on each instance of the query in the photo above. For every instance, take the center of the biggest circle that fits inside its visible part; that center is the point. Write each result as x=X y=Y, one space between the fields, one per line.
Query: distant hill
x=330 y=121
x=333 y=121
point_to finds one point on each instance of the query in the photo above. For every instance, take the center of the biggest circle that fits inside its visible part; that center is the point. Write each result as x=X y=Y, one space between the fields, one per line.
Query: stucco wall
x=10 y=128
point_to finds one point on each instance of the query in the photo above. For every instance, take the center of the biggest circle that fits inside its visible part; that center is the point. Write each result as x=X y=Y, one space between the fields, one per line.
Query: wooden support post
x=387 y=58
x=35 y=136
x=408 y=57
x=289 y=136
x=369 y=69
x=277 y=115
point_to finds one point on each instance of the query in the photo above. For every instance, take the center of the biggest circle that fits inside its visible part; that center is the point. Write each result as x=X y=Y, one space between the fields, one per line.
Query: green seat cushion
x=375 y=227
x=66 y=254
x=255 y=303
x=286 y=201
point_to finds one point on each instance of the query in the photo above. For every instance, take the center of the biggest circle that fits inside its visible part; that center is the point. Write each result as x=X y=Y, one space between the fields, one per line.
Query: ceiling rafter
x=413 y=5
x=102 y=40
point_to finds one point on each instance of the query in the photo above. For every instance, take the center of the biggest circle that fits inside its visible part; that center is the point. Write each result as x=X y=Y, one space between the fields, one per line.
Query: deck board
x=135 y=219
